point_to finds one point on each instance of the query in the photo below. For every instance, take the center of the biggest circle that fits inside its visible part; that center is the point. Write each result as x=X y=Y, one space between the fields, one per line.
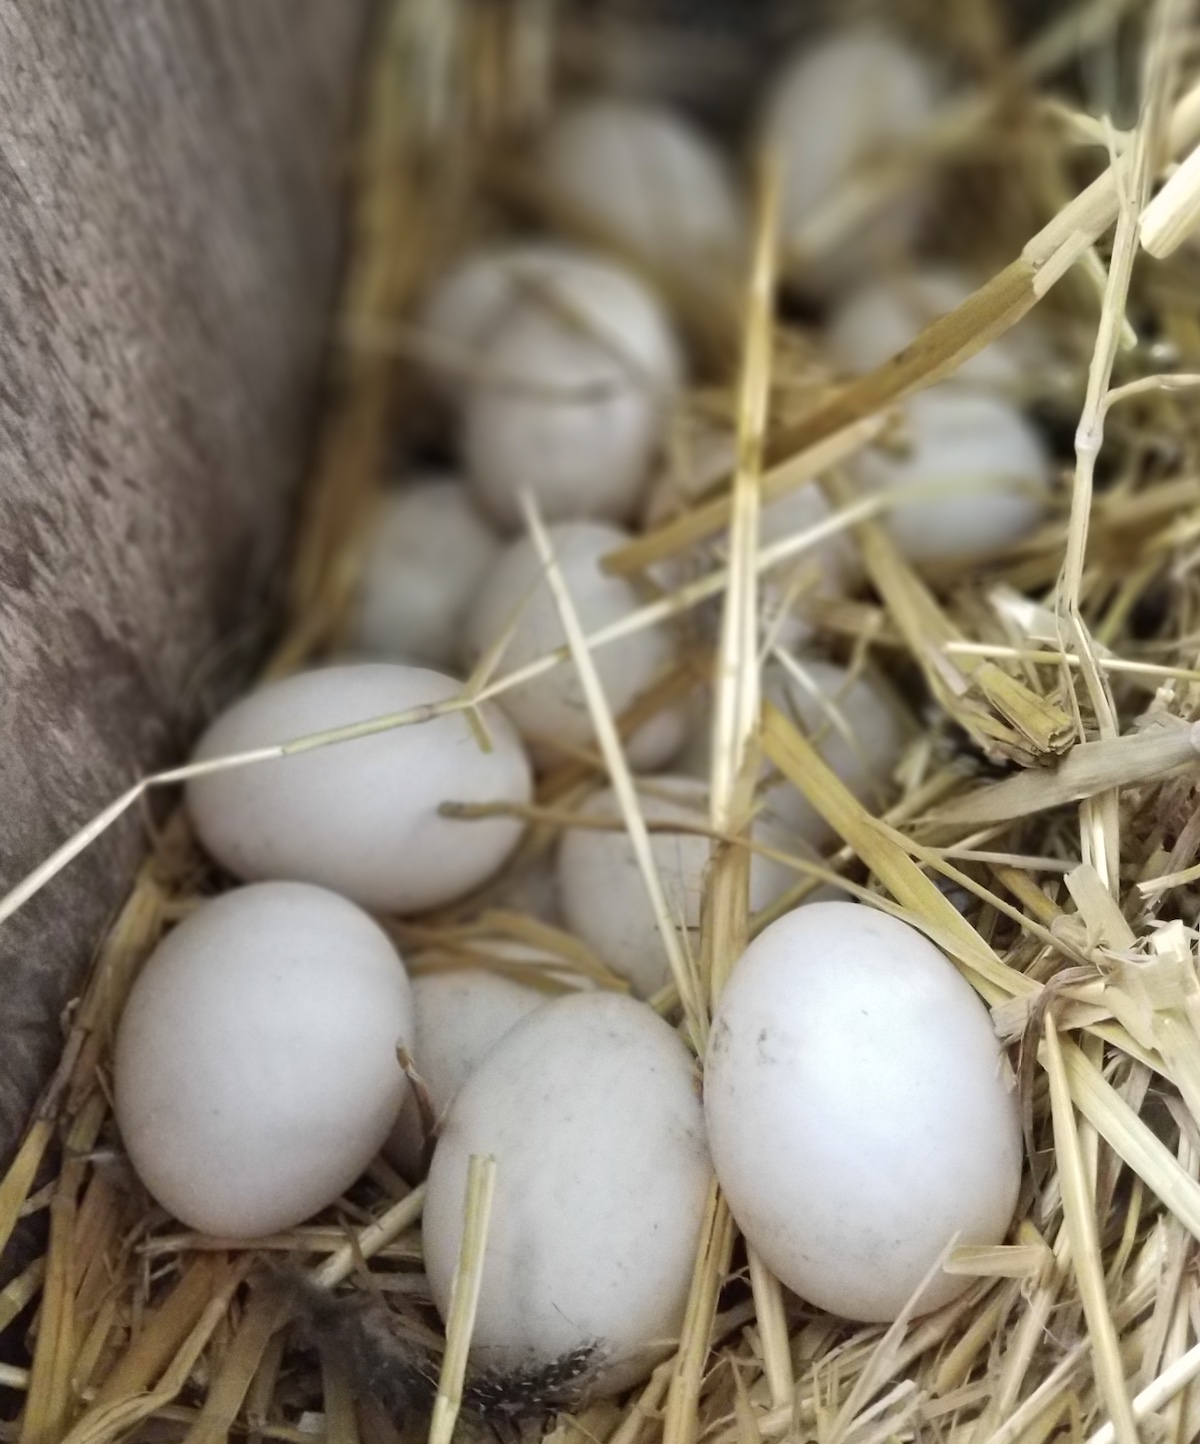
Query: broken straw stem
x=464 y=1298
x=1174 y=213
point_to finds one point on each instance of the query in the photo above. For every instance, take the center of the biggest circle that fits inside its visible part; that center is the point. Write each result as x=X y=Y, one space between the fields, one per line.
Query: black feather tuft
x=534 y=1391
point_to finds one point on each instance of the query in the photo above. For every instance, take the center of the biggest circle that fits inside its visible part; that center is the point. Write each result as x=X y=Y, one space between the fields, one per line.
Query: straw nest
x=1054 y=789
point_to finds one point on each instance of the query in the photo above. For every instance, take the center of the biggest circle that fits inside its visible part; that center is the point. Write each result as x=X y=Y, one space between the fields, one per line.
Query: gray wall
x=170 y=189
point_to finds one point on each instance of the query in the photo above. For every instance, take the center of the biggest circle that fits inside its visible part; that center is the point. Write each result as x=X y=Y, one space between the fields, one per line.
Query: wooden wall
x=170 y=188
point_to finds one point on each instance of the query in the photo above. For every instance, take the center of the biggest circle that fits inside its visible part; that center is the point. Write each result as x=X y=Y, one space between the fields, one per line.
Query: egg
x=552 y=707
x=837 y=108
x=858 y=1111
x=426 y=555
x=361 y=817
x=857 y=728
x=573 y=393
x=463 y=309
x=255 y=1072
x=532 y=888
x=604 y=898
x=590 y=1108
x=828 y=569
x=458 y=1017
x=882 y=316
x=649 y=179
x=705 y=456
x=990 y=464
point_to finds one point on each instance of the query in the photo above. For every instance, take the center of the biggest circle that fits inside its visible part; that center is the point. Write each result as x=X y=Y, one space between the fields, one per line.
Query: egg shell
x=857 y=728
x=572 y=398
x=854 y=725
x=708 y=454
x=858 y=1112
x=458 y=1017
x=461 y=313
x=604 y=896
x=838 y=106
x=991 y=461
x=590 y=1109
x=360 y=817
x=427 y=553
x=648 y=178
x=552 y=707
x=255 y=1072
x=704 y=455
x=881 y=317
x=532 y=888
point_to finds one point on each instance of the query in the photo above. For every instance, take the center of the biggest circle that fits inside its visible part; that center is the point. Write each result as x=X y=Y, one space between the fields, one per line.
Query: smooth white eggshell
x=881 y=317
x=589 y=1107
x=470 y=301
x=828 y=569
x=532 y=888
x=648 y=178
x=711 y=455
x=427 y=552
x=572 y=397
x=255 y=1070
x=837 y=107
x=991 y=463
x=552 y=707
x=858 y=1111
x=458 y=1017
x=858 y=729
x=604 y=897
x=362 y=816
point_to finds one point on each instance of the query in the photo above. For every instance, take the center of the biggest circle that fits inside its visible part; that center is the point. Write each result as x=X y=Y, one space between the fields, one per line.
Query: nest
x=1045 y=831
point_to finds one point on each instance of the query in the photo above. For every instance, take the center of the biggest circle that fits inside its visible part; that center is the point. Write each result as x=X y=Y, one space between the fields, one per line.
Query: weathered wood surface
x=170 y=183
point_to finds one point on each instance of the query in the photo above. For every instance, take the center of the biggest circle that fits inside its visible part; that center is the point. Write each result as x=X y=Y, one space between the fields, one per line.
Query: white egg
x=857 y=729
x=427 y=553
x=532 y=888
x=590 y=1109
x=858 y=1111
x=458 y=1017
x=604 y=898
x=839 y=107
x=990 y=466
x=885 y=314
x=574 y=389
x=255 y=1072
x=361 y=816
x=828 y=569
x=463 y=310
x=648 y=178
x=552 y=707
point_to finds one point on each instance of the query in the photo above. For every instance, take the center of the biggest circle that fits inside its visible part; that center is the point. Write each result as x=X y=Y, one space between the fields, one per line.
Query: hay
x=1072 y=661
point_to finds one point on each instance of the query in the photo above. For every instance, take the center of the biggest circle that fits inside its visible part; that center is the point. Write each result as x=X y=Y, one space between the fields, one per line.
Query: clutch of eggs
x=855 y=1103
